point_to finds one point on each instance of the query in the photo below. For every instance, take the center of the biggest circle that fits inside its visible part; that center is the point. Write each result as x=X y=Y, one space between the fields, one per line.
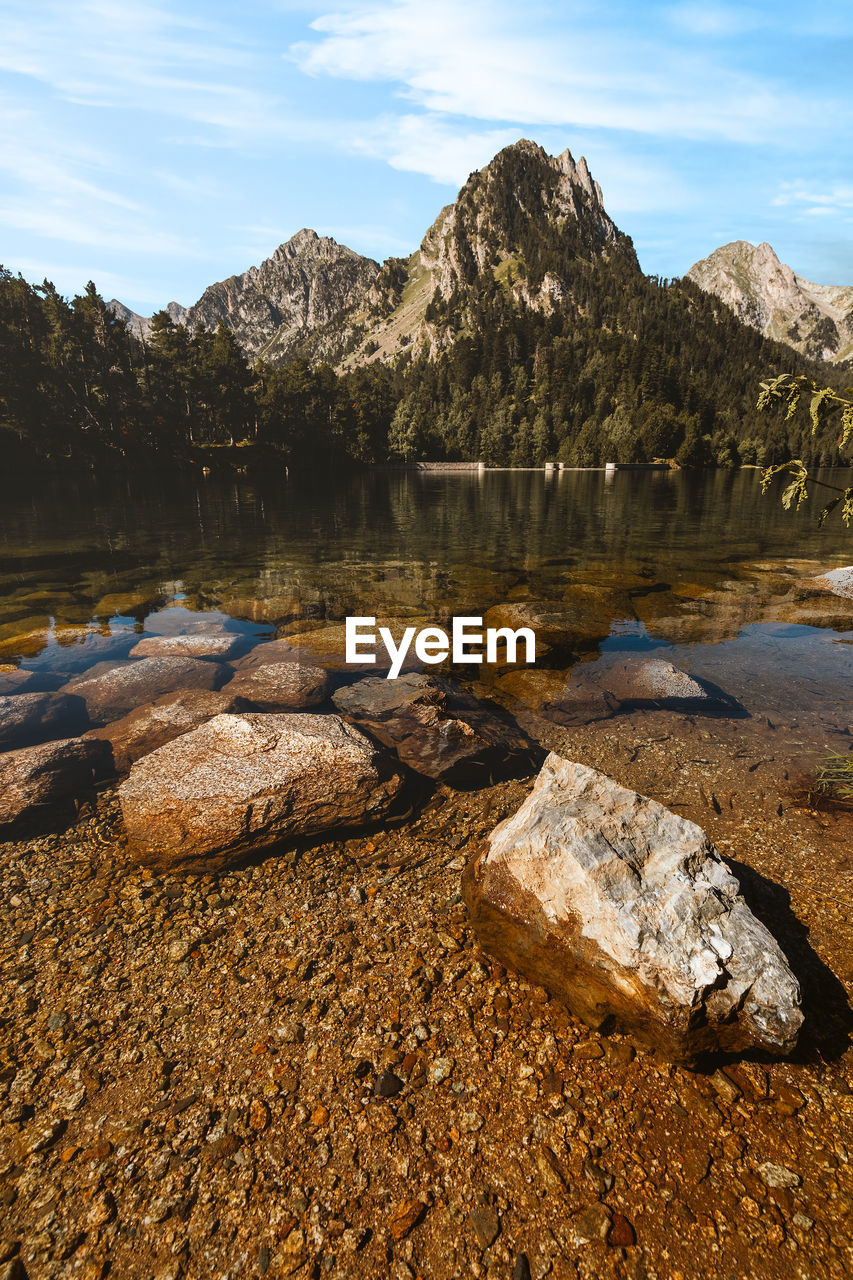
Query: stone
x=580 y=620
x=592 y=1224
x=36 y=781
x=486 y=1224
x=325 y=646
x=29 y=718
x=14 y=680
x=388 y=1085
x=599 y=690
x=777 y=1176
x=244 y=782
x=218 y=645
x=406 y=1216
x=625 y=912
x=838 y=581
x=621 y=1233
x=278 y=685
x=111 y=690
x=437 y=729
x=149 y=727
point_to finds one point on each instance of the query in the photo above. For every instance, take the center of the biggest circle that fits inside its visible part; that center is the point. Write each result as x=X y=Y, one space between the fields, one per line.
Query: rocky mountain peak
x=768 y=295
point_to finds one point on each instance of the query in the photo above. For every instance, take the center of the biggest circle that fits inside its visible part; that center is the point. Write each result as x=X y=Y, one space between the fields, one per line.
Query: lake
x=698 y=565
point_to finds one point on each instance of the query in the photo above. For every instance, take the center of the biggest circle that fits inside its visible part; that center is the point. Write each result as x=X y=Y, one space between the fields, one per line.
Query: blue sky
x=156 y=148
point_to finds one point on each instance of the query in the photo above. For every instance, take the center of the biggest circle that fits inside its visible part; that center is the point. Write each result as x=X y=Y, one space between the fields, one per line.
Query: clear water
x=86 y=565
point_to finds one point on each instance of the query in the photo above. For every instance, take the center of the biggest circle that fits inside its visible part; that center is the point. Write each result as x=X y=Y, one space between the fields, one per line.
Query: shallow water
x=86 y=565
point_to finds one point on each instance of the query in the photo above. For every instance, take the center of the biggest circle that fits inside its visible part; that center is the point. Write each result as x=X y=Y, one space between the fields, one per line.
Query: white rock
x=625 y=911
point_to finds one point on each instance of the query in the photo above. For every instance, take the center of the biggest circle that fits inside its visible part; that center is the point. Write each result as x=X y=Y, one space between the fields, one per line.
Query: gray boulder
x=276 y=686
x=437 y=729
x=28 y=718
x=38 y=783
x=625 y=912
x=244 y=782
x=112 y=689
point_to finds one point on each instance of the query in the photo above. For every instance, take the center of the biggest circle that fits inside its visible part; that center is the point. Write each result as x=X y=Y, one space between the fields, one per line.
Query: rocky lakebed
x=308 y=972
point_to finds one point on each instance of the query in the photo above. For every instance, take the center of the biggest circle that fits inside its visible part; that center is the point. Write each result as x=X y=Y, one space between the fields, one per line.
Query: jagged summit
x=815 y=319
x=520 y=222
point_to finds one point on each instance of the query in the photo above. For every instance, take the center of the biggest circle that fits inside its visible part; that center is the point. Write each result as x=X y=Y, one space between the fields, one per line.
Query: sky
x=156 y=148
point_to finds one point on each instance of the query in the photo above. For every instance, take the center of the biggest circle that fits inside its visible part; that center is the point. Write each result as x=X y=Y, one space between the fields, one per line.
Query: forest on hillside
x=635 y=369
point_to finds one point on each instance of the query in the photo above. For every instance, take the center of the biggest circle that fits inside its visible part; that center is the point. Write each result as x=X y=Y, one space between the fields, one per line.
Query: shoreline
x=256 y=1072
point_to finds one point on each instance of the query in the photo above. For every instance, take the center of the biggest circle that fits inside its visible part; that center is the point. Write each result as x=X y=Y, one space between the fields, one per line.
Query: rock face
x=111 y=690
x=152 y=726
x=437 y=729
x=308 y=282
x=244 y=782
x=816 y=319
x=28 y=718
x=219 y=645
x=280 y=685
x=36 y=780
x=625 y=912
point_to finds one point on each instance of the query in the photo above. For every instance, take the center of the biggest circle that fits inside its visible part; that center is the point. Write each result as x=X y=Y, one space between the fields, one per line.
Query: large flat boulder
x=278 y=686
x=28 y=718
x=625 y=912
x=112 y=689
x=244 y=782
x=38 y=783
x=437 y=729
x=214 y=644
x=146 y=728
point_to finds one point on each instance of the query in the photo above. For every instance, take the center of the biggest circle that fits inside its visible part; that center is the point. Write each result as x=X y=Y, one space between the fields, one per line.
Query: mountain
x=815 y=319
x=520 y=221
x=141 y=325
x=307 y=281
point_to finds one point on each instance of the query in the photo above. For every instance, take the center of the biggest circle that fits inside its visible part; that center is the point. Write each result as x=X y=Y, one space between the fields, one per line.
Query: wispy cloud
x=807 y=199
x=489 y=62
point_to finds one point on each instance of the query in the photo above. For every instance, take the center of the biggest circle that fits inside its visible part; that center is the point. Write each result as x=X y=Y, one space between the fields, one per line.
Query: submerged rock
x=625 y=912
x=279 y=685
x=15 y=680
x=147 y=728
x=243 y=782
x=28 y=718
x=596 y=691
x=436 y=728
x=583 y=617
x=218 y=644
x=825 y=600
x=112 y=689
x=36 y=781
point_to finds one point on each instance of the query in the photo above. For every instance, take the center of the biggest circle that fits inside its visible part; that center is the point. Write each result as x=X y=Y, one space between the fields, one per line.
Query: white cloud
x=428 y=143
x=804 y=198
x=484 y=61
x=65 y=190
x=108 y=53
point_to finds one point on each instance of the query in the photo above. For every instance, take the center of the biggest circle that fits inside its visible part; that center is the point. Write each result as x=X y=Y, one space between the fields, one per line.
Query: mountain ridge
x=765 y=293
x=317 y=299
